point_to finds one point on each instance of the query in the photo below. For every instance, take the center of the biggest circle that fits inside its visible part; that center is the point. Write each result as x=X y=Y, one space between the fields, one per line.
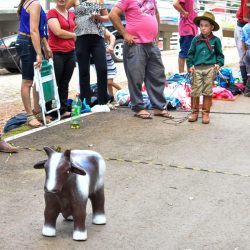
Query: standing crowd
x=80 y=35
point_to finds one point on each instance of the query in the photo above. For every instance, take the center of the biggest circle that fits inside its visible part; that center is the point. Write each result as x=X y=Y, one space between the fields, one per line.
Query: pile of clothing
x=227 y=86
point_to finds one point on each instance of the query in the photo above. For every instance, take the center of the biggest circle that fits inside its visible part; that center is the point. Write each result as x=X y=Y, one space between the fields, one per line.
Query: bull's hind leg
x=98 y=200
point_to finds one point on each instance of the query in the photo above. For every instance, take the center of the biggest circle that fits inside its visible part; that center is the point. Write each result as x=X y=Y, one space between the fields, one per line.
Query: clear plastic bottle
x=76 y=107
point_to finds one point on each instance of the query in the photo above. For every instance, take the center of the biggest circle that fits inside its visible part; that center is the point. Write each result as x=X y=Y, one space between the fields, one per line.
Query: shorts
x=185 y=43
x=111 y=68
x=27 y=53
x=203 y=79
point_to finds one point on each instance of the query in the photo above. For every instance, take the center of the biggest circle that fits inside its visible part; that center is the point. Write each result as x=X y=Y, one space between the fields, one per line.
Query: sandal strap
x=31 y=117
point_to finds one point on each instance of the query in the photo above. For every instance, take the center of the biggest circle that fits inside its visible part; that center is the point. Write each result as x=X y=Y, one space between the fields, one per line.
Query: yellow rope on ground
x=214 y=171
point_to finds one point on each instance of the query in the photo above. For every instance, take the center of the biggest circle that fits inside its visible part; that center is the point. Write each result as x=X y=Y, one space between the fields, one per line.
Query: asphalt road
x=190 y=189
x=181 y=195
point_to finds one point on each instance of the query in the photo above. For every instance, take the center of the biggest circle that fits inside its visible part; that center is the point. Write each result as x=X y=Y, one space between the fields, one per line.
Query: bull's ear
x=48 y=150
x=40 y=164
x=67 y=154
x=76 y=168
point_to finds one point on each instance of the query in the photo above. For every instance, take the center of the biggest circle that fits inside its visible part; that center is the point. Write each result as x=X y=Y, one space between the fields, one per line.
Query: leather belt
x=24 y=34
x=202 y=64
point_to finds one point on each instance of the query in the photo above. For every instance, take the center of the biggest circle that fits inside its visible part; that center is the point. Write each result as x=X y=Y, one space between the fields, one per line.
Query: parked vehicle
x=117 y=54
x=8 y=55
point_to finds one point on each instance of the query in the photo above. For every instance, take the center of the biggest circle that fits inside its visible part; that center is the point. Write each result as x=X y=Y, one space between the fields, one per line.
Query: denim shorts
x=27 y=53
x=185 y=43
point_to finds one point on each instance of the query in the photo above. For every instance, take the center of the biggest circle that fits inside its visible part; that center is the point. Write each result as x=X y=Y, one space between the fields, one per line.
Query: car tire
x=117 y=54
x=12 y=70
x=16 y=70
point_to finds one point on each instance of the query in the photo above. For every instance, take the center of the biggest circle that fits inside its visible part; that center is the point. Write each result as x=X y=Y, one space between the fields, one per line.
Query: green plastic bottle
x=76 y=112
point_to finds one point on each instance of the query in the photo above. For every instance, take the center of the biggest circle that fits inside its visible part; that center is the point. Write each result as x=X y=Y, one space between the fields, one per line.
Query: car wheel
x=12 y=70
x=117 y=54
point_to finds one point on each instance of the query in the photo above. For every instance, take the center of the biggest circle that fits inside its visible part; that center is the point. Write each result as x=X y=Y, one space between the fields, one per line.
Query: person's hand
x=185 y=14
x=48 y=53
x=216 y=67
x=38 y=63
x=110 y=49
x=244 y=55
x=129 y=38
x=96 y=16
x=192 y=69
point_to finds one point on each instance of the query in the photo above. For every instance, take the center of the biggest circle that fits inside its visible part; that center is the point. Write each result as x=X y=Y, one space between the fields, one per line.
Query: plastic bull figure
x=71 y=178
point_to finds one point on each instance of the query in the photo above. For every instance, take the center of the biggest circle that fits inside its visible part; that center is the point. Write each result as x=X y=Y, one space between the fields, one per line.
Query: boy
x=112 y=71
x=205 y=57
x=246 y=55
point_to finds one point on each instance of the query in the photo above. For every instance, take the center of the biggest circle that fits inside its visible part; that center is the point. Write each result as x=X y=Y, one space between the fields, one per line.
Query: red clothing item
x=243 y=11
x=59 y=44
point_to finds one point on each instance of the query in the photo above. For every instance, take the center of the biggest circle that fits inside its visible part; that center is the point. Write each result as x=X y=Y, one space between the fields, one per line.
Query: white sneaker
x=100 y=108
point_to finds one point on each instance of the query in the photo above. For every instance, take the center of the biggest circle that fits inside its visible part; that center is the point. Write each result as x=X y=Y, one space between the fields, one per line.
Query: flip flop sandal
x=39 y=117
x=111 y=106
x=32 y=118
x=65 y=115
x=165 y=115
x=144 y=116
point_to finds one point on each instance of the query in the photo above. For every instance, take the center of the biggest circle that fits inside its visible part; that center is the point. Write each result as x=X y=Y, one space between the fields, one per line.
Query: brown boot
x=7 y=148
x=207 y=103
x=195 y=104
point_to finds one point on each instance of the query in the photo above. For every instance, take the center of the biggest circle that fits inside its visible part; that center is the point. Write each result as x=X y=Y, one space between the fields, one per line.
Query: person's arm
x=114 y=16
x=190 y=57
x=46 y=48
x=179 y=8
x=219 y=55
x=246 y=10
x=110 y=38
x=158 y=21
x=71 y=3
x=244 y=46
x=55 y=27
x=243 y=40
x=103 y=16
x=34 y=12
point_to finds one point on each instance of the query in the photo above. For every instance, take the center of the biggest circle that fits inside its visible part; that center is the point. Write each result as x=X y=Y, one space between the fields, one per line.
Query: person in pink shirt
x=141 y=56
x=187 y=29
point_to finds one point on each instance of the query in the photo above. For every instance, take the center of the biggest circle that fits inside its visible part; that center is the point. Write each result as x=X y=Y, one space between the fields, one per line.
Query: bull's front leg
x=98 y=200
x=51 y=212
x=79 y=216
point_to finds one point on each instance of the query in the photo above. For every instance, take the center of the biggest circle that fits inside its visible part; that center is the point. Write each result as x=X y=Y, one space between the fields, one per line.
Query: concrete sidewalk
x=10 y=83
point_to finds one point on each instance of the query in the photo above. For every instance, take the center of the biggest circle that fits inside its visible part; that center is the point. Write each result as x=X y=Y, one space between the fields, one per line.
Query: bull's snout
x=53 y=191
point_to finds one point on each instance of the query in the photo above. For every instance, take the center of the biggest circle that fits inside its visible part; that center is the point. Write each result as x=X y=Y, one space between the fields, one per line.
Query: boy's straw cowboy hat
x=208 y=16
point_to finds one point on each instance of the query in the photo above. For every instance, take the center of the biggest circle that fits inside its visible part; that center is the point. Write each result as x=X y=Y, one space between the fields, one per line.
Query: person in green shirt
x=205 y=57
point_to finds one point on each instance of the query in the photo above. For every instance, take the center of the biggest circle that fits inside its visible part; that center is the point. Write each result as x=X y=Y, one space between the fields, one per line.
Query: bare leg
x=37 y=108
x=25 y=93
x=181 y=62
x=26 y=98
x=110 y=87
x=116 y=86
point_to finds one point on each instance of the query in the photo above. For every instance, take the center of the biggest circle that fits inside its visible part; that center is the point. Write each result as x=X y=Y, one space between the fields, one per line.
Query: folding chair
x=47 y=89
